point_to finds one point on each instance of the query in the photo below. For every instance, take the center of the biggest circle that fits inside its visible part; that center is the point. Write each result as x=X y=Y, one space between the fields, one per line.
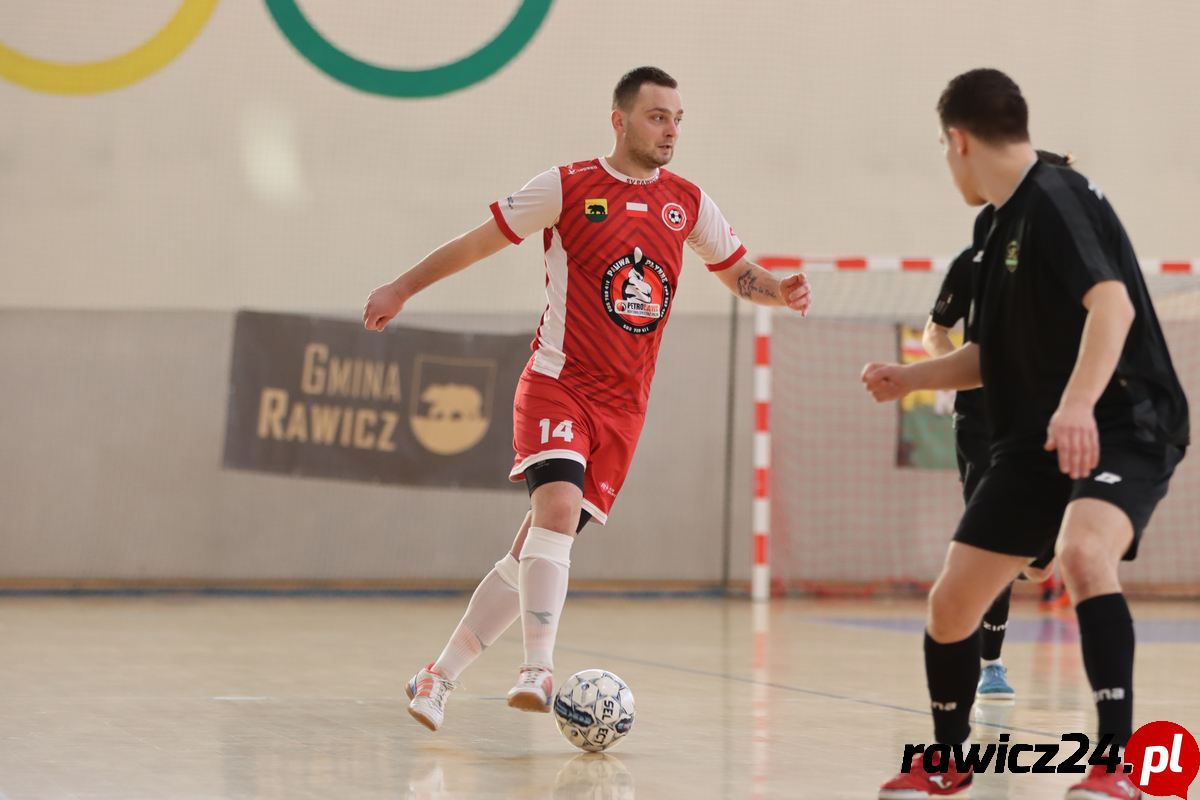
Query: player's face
x=652 y=125
x=954 y=147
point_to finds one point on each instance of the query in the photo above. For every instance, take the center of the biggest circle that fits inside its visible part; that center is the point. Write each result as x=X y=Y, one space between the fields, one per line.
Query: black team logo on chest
x=636 y=292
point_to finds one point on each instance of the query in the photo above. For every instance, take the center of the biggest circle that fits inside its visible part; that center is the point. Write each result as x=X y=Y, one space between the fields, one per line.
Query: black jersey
x=1055 y=238
x=953 y=303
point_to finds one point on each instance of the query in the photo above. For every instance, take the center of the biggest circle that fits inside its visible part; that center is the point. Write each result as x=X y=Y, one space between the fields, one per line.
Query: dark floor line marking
x=787 y=688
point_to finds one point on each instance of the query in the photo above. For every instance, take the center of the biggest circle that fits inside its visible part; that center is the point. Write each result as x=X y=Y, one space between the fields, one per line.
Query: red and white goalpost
x=893 y=531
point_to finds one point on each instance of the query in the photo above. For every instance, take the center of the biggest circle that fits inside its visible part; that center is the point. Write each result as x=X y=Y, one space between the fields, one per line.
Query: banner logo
x=453 y=402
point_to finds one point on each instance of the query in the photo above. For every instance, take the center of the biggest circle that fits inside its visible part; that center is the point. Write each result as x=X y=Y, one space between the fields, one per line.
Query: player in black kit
x=972 y=445
x=1087 y=417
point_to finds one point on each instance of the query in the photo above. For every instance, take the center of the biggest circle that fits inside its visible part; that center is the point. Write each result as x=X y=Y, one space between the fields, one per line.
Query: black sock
x=995 y=623
x=1106 y=637
x=952 y=672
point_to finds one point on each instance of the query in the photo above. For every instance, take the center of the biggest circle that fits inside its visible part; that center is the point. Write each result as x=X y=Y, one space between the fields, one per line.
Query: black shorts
x=972 y=448
x=1018 y=507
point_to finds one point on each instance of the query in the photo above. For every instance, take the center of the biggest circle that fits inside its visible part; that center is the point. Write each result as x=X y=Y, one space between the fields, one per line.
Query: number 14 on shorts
x=561 y=431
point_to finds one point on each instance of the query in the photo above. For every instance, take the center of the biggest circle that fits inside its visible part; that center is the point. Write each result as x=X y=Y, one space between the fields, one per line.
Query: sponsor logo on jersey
x=1012 y=255
x=674 y=217
x=573 y=170
x=636 y=209
x=636 y=292
x=596 y=209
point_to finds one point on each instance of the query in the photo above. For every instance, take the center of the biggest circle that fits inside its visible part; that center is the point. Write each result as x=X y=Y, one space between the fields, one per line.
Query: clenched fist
x=383 y=304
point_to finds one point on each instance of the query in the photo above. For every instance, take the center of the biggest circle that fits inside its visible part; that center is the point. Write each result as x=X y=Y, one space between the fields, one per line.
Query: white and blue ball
x=594 y=710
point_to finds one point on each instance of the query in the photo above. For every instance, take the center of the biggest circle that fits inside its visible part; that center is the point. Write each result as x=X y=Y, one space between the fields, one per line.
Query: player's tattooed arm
x=751 y=286
x=751 y=282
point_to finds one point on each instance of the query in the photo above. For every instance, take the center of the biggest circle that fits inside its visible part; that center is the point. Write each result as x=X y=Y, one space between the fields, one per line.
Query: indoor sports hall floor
x=302 y=698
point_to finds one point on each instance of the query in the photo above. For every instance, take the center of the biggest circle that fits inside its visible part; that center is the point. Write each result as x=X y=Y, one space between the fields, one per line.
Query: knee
x=1084 y=559
x=558 y=513
x=949 y=619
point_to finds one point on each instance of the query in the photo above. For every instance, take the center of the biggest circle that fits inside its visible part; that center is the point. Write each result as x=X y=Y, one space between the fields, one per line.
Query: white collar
x=623 y=177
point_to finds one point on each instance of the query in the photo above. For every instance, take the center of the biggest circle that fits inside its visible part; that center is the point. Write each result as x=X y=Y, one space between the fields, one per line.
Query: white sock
x=493 y=608
x=992 y=663
x=545 y=562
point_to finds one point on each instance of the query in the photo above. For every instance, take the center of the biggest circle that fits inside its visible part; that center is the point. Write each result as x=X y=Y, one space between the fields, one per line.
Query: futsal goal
x=851 y=496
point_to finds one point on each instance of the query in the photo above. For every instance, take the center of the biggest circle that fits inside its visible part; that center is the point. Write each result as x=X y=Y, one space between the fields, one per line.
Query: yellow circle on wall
x=93 y=77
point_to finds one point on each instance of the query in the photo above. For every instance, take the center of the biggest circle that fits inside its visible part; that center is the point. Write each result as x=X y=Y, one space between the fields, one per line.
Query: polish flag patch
x=637 y=209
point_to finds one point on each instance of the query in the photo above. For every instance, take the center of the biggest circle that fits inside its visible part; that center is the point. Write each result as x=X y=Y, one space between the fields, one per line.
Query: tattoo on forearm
x=749 y=286
x=745 y=283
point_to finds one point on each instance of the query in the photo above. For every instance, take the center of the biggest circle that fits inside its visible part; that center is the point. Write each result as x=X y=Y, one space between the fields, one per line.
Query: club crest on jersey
x=636 y=292
x=674 y=217
x=596 y=209
x=1012 y=255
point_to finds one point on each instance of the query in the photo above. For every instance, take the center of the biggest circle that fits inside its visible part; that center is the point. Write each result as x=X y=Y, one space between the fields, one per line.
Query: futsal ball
x=594 y=710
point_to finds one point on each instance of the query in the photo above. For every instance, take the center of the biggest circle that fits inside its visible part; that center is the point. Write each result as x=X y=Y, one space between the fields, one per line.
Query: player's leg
x=566 y=492
x=545 y=562
x=493 y=608
x=973 y=450
x=993 y=678
x=552 y=437
x=1103 y=524
x=1044 y=572
x=1095 y=534
x=995 y=540
x=971 y=578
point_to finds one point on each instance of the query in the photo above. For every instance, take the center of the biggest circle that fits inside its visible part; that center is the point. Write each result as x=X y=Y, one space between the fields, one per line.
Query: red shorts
x=551 y=421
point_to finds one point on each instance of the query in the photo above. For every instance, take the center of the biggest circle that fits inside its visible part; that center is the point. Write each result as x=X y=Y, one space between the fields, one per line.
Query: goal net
x=854 y=496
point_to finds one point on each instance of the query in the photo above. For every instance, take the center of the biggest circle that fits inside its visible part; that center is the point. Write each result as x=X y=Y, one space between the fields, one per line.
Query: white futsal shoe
x=534 y=689
x=428 y=692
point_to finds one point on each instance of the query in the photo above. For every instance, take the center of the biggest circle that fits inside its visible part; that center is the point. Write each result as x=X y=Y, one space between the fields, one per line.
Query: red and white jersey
x=614 y=252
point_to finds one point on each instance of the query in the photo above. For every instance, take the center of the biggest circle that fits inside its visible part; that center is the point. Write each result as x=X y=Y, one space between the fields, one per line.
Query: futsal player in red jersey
x=613 y=230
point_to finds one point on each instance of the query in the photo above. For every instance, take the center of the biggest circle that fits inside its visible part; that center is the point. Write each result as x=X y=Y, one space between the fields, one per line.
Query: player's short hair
x=1055 y=159
x=631 y=83
x=987 y=104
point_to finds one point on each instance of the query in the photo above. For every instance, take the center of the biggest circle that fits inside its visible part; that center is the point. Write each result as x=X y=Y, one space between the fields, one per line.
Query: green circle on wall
x=343 y=67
